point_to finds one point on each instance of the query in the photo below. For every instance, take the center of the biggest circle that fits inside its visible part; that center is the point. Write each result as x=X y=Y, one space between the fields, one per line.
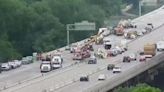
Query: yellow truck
x=150 y=49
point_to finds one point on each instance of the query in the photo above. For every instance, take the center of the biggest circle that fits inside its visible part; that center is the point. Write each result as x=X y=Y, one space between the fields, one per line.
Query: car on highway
x=27 y=60
x=142 y=58
x=56 y=62
x=160 y=45
x=110 y=66
x=92 y=60
x=113 y=52
x=73 y=48
x=117 y=69
x=102 y=77
x=126 y=59
x=5 y=67
x=12 y=64
x=84 y=78
x=133 y=56
x=140 y=33
x=18 y=63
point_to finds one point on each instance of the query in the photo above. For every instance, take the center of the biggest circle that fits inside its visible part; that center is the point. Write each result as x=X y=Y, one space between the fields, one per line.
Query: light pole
x=68 y=36
x=140 y=7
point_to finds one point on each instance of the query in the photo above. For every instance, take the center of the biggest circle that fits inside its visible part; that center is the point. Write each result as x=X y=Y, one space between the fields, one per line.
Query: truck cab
x=107 y=43
x=56 y=62
x=45 y=66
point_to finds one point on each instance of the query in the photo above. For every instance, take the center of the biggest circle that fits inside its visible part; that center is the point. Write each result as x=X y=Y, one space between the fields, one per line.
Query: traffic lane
x=152 y=17
x=58 y=79
x=93 y=79
x=113 y=78
x=146 y=39
x=19 y=69
x=78 y=71
x=26 y=72
x=152 y=37
x=22 y=73
x=130 y=73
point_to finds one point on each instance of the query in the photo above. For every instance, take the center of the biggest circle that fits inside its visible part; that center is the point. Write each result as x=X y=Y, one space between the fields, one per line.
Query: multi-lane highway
x=66 y=79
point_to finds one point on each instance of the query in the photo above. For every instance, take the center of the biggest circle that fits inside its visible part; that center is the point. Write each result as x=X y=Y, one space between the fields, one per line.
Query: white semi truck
x=45 y=66
x=56 y=62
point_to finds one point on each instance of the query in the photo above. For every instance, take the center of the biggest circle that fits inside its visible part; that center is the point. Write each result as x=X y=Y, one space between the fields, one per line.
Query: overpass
x=67 y=79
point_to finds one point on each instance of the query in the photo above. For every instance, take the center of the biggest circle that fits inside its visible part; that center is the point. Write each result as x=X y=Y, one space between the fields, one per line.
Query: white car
x=160 y=45
x=117 y=69
x=139 y=33
x=143 y=31
x=133 y=56
x=18 y=63
x=101 y=77
x=105 y=31
x=12 y=64
x=5 y=67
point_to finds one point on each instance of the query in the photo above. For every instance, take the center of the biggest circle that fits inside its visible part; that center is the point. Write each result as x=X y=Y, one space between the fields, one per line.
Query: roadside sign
x=81 y=26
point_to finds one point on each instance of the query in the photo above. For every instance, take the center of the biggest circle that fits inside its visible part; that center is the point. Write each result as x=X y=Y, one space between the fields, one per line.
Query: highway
x=62 y=77
x=27 y=72
x=127 y=68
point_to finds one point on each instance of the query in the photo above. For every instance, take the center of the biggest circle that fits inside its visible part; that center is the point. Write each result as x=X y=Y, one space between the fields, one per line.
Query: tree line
x=28 y=26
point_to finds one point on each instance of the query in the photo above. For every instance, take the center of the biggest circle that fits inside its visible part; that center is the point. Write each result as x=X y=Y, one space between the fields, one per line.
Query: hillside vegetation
x=28 y=26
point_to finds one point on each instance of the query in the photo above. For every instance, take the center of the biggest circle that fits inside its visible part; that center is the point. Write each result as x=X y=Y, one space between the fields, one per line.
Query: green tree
x=138 y=88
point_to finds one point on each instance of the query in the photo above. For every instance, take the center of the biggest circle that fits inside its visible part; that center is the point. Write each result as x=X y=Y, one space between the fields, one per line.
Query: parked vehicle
x=149 y=49
x=18 y=63
x=123 y=45
x=132 y=57
x=107 y=43
x=101 y=53
x=56 y=62
x=131 y=35
x=149 y=27
x=92 y=60
x=126 y=59
x=142 y=58
x=73 y=48
x=117 y=69
x=114 y=52
x=5 y=67
x=106 y=31
x=84 y=78
x=119 y=30
x=27 y=60
x=12 y=64
x=110 y=66
x=102 y=77
x=81 y=55
x=45 y=66
x=160 y=45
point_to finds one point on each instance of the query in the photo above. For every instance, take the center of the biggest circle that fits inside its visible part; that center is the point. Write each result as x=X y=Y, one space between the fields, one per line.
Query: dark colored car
x=126 y=59
x=110 y=66
x=92 y=61
x=84 y=78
